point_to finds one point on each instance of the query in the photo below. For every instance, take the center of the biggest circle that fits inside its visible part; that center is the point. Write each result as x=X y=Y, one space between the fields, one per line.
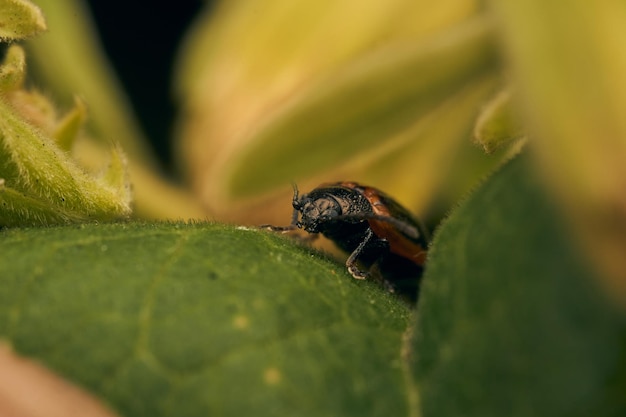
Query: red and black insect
x=372 y=227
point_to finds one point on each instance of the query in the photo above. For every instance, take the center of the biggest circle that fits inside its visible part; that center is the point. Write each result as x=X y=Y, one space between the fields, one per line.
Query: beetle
x=372 y=227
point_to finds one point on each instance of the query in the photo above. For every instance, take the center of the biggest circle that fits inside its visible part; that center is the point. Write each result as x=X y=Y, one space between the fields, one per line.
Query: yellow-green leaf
x=372 y=107
x=37 y=170
x=70 y=60
x=497 y=125
x=69 y=126
x=12 y=69
x=116 y=175
x=568 y=66
x=20 y=19
x=18 y=209
x=364 y=106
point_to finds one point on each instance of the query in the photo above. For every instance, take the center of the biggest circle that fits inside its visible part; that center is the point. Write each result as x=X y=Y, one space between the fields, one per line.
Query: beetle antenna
x=295 y=193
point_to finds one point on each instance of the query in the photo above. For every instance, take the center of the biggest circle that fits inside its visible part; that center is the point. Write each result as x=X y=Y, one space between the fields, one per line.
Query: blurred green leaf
x=68 y=128
x=511 y=322
x=382 y=92
x=20 y=19
x=70 y=60
x=364 y=105
x=188 y=320
x=497 y=125
x=13 y=69
x=567 y=65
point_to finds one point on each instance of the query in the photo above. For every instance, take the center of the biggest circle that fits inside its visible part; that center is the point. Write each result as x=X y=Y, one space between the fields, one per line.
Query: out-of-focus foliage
x=40 y=184
x=20 y=19
x=382 y=92
x=497 y=125
x=511 y=319
x=69 y=60
x=568 y=64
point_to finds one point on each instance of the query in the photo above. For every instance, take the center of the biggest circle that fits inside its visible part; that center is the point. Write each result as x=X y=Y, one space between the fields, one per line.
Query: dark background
x=141 y=40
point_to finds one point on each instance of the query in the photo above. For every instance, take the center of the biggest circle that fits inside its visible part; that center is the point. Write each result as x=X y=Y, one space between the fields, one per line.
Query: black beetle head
x=315 y=212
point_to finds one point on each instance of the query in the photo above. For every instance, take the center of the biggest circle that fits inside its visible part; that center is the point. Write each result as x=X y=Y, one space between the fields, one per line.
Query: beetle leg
x=277 y=228
x=303 y=238
x=351 y=262
x=292 y=226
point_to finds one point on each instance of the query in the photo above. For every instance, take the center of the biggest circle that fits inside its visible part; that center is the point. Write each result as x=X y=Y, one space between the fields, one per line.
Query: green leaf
x=376 y=99
x=189 y=320
x=70 y=125
x=70 y=59
x=568 y=65
x=45 y=186
x=20 y=19
x=497 y=125
x=511 y=321
x=13 y=69
x=397 y=95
